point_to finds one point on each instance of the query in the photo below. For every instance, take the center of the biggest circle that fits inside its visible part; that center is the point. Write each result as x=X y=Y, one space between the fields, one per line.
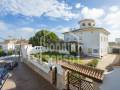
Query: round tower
x=85 y=23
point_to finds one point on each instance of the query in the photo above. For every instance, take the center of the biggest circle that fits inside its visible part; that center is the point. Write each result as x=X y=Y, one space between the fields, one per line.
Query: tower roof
x=91 y=20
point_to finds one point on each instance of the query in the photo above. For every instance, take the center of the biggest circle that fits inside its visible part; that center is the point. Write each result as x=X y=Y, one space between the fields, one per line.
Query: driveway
x=107 y=60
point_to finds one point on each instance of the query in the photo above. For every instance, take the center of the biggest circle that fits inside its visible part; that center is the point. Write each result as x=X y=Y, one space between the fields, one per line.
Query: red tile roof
x=93 y=73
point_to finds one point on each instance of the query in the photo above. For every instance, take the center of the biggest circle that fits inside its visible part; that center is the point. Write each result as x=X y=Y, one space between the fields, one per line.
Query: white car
x=38 y=49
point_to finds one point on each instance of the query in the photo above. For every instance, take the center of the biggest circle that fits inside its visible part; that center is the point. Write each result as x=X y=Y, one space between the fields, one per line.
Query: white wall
x=103 y=44
x=91 y=42
x=87 y=22
x=7 y=47
x=26 y=50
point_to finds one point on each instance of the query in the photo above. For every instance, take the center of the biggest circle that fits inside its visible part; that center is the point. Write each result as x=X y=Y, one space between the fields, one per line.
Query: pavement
x=23 y=78
x=107 y=60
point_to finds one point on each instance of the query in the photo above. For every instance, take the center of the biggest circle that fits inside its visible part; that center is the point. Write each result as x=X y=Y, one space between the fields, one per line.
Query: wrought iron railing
x=76 y=82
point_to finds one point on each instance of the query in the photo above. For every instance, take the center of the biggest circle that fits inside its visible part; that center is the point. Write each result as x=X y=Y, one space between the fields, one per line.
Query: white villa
x=94 y=40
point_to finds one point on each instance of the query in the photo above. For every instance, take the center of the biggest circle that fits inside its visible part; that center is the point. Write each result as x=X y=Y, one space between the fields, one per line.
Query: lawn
x=57 y=56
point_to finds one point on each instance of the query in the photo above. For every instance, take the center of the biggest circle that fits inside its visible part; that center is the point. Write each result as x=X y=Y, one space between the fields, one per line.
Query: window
x=80 y=37
x=83 y=24
x=95 y=50
x=89 y=50
x=89 y=24
x=51 y=46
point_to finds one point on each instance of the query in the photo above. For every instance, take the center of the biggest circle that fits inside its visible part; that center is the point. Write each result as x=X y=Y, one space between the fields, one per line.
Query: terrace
x=17 y=78
x=23 y=78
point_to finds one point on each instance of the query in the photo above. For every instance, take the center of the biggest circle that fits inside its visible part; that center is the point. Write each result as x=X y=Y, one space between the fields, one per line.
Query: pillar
x=53 y=75
x=66 y=80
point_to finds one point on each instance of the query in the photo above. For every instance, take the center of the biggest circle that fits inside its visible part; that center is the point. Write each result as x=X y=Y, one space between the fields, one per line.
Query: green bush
x=93 y=63
x=2 y=52
x=44 y=59
x=73 y=53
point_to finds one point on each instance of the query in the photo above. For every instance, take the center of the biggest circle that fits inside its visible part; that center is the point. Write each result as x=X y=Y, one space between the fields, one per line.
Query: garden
x=55 y=56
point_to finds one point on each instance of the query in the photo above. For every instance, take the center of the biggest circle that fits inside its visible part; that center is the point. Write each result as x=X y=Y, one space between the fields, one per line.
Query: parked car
x=11 y=65
x=3 y=72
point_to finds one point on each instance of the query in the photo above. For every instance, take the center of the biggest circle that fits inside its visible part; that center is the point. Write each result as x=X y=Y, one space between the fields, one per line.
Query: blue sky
x=22 y=18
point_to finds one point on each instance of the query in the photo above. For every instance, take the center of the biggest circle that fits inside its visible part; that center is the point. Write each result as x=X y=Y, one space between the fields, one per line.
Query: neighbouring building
x=117 y=40
x=114 y=47
x=8 y=45
x=88 y=40
x=1 y=43
x=12 y=44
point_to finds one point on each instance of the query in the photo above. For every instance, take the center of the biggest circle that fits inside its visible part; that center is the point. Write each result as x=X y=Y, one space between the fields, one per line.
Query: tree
x=43 y=37
x=1 y=52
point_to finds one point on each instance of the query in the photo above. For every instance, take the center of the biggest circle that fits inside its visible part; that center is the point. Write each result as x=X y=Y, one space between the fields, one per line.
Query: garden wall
x=43 y=70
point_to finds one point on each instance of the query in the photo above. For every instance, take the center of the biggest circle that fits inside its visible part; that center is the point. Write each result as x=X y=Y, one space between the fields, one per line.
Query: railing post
x=67 y=80
x=54 y=76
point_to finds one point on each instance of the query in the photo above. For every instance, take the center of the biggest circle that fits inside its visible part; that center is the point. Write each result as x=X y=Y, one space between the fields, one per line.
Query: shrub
x=73 y=53
x=2 y=52
x=44 y=59
x=93 y=63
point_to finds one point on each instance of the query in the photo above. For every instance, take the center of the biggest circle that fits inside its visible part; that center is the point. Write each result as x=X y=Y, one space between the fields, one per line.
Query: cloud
x=37 y=8
x=14 y=31
x=114 y=8
x=92 y=13
x=27 y=30
x=112 y=22
x=106 y=18
x=60 y=29
x=78 y=5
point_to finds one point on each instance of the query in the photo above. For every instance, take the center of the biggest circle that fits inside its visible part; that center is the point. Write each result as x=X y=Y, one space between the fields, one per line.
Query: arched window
x=89 y=24
x=51 y=46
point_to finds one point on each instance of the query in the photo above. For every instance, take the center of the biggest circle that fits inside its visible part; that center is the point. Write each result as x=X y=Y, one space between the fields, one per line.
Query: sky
x=23 y=18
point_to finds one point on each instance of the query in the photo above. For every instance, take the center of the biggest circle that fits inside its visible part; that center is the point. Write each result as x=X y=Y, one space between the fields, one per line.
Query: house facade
x=12 y=44
x=94 y=40
x=8 y=45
